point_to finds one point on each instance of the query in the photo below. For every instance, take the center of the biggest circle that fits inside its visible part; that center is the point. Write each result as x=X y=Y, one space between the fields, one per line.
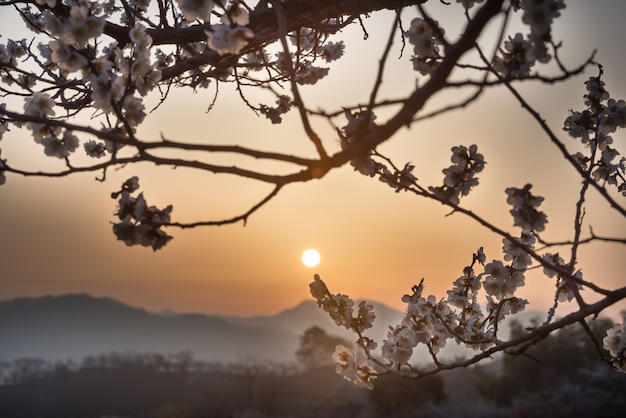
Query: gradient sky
x=56 y=234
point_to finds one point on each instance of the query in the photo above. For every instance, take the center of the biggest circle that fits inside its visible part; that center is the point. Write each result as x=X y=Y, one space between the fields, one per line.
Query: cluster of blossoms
x=310 y=44
x=429 y=321
x=521 y=53
x=57 y=142
x=143 y=74
x=516 y=58
x=353 y=365
x=359 y=122
x=140 y=224
x=78 y=29
x=341 y=307
x=12 y=50
x=196 y=9
x=615 y=344
x=593 y=127
x=231 y=36
x=461 y=176
x=566 y=289
x=283 y=104
x=525 y=213
x=425 y=36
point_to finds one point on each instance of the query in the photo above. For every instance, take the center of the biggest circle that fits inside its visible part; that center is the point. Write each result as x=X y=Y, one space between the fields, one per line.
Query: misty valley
x=80 y=356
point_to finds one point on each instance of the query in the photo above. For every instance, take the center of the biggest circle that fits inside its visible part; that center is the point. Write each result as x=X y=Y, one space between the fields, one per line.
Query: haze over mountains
x=75 y=326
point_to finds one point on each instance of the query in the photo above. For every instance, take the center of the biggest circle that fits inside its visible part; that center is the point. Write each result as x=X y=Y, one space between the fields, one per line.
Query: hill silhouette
x=78 y=325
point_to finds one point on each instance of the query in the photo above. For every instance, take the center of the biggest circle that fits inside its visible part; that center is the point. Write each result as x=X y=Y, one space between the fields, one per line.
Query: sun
x=311 y=257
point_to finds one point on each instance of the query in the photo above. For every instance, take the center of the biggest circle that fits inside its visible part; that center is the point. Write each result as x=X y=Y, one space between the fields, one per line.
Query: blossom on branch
x=354 y=367
x=461 y=176
x=615 y=344
x=525 y=214
x=225 y=39
x=140 y=224
x=424 y=36
x=196 y=9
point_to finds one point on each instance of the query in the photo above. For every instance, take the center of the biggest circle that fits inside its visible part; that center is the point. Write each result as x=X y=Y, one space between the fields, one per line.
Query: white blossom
x=354 y=366
x=60 y=147
x=196 y=9
x=331 y=51
x=524 y=210
x=225 y=39
x=94 y=149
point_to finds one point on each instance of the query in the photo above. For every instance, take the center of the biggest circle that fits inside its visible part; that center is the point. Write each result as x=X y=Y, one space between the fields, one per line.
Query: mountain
x=74 y=326
x=78 y=325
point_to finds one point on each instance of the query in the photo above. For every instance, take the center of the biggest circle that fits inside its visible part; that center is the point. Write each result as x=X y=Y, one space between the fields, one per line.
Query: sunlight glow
x=311 y=257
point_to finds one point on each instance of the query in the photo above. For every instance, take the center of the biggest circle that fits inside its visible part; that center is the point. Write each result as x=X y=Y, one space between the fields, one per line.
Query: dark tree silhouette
x=317 y=347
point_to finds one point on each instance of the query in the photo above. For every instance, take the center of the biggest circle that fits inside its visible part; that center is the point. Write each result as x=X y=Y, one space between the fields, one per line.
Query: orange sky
x=375 y=244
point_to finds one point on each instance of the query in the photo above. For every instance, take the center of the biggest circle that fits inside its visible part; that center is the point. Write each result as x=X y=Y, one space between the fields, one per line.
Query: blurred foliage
x=561 y=376
x=317 y=347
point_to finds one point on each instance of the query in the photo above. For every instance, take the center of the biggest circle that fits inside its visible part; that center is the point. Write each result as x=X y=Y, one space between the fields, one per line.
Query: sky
x=56 y=235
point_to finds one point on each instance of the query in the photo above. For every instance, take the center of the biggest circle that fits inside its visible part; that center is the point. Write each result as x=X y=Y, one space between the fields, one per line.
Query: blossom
x=134 y=110
x=397 y=349
x=80 y=27
x=11 y=51
x=331 y=51
x=425 y=40
x=196 y=9
x=524 y=213
x=501 y=282
x=565 y=290
x=225 y=39
x=422 y=36
x=480 y=256
x=65 y=57
x=60 y=147
x=140 y=224
x=39 y=104
x=365 y=317
x=339 y=307
x=580 y=125
x=236 y=15
x=516 y=58
x=552 y=259
x=131 y=185
x=106 y=87
x=94 y=149
x=318 y=289
x=615 y=340
x=307 y=73
x=613 y=116
x=354 y=367
x=304 y=39
x=461 y=176
x=596 y=94
x=514 y=251
x=283 y=105
x=340 y=310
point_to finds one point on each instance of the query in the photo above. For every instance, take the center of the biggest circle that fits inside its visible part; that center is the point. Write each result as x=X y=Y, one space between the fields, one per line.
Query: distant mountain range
x=78 y=325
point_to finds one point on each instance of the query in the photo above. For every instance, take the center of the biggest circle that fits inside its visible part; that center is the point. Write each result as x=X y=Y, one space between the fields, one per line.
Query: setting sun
x=311 y=258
